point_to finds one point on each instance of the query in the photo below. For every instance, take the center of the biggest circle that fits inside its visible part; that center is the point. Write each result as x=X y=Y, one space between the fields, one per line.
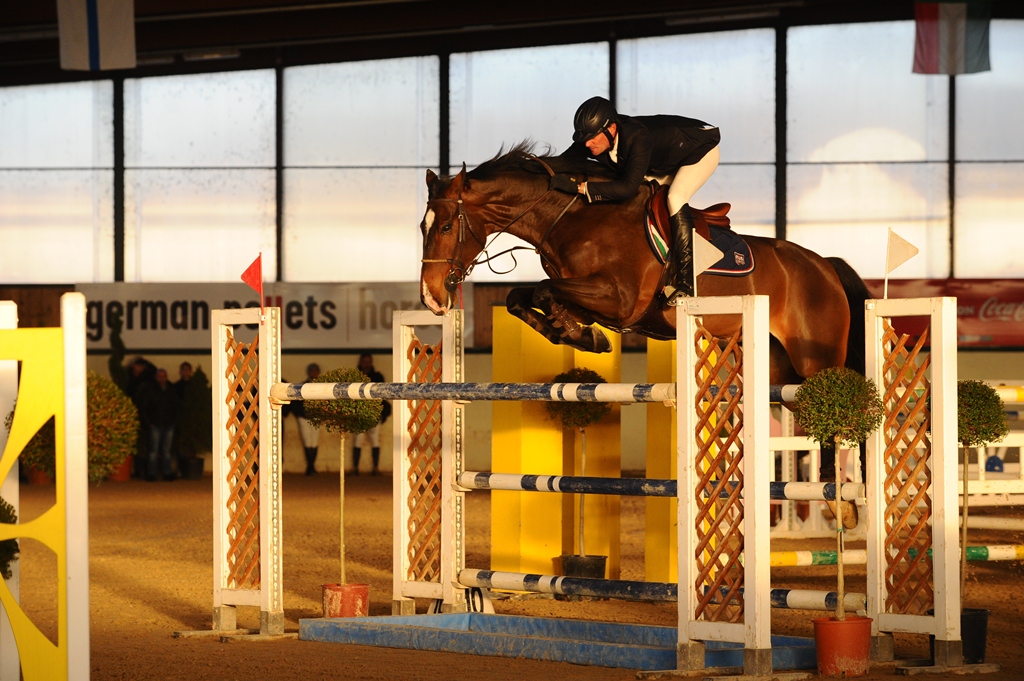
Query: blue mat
x=601 y=644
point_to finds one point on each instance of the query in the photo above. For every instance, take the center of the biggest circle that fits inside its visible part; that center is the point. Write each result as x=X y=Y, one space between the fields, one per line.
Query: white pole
x=583 y=471
x=341 y=507
x=10 y=662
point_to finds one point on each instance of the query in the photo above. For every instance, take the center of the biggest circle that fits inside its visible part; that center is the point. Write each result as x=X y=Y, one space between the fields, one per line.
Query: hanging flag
x=96 y=35
x=704 y=256
x=253 y=276
x=952 y=37
x=897 y=251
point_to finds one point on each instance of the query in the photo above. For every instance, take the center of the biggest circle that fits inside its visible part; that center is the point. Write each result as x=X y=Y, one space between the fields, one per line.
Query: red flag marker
x=253 y=276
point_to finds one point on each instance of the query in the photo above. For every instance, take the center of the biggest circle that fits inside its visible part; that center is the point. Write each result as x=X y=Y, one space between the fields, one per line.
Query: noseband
x=457 y=272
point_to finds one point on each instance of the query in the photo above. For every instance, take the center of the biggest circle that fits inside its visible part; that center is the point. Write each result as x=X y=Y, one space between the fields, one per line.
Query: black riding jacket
x=648 y=145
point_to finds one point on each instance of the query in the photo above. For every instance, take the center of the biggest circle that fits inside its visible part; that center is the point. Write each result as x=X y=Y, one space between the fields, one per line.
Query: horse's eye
x=446 y=227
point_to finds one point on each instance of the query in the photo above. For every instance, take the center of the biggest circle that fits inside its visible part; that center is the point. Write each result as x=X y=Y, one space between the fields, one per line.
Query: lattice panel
x=424 y=466
x=719 y=520
x=243 y=455
x=907 y=460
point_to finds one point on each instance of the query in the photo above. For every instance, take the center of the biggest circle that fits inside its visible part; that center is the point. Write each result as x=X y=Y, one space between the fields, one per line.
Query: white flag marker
x=704 y=256
x=897 y=251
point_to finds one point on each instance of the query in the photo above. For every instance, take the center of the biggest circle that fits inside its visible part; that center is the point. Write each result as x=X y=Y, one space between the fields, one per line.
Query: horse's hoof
x=599 y=341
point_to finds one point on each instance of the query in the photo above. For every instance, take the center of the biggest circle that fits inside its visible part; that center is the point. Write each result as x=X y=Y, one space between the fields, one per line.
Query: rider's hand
x=564 y=182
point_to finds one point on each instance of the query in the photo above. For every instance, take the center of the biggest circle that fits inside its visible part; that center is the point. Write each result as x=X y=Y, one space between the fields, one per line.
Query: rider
x=680 y=151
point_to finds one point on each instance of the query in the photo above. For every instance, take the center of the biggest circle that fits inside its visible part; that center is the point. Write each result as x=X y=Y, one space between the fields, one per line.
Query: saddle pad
x=738 y=261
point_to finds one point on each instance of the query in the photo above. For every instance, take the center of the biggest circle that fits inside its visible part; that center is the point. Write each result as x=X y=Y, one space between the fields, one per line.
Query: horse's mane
x=521 y=158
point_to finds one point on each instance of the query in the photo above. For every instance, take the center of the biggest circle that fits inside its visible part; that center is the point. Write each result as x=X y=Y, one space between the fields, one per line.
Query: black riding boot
x=355 y=460
x=375 y=453
x=311 y=460
x=680 y=280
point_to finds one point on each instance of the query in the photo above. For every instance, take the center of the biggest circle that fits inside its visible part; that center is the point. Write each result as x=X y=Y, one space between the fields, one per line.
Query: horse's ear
x=460 y=181
x=431 y=177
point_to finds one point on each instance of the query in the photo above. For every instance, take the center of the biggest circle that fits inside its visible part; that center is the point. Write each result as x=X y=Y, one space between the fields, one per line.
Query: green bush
x=838 y=405
x=8 y=547
x=113 y=423
x=981 y=418
x=194 y=432
x=344 y=416
x=578 y=414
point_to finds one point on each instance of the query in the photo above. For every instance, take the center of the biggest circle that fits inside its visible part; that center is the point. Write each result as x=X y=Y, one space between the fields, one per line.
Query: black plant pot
x=587 y=567
x=973 y=633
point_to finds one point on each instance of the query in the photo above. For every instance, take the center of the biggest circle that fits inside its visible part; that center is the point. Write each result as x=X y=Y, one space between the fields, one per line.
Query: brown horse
x=602 y=270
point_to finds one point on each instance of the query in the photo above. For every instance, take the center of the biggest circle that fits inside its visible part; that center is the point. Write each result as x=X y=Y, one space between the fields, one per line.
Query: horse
x=602 y=270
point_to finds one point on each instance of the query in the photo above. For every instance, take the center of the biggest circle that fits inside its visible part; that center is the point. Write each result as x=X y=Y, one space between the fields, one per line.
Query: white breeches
x=370 y=437
x=689 y=179
x=309 y=435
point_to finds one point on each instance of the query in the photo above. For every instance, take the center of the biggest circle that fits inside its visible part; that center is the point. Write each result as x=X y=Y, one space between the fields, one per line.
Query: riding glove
x=564 y=182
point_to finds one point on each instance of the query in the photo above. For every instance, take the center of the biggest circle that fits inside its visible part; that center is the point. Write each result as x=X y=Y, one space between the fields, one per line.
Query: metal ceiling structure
x=193 y=36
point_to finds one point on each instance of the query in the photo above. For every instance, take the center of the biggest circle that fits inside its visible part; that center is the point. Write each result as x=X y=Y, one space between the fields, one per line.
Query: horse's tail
x=856 y=293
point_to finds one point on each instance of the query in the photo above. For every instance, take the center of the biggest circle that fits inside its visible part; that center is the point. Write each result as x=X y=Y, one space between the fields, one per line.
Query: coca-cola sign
x=990 y=312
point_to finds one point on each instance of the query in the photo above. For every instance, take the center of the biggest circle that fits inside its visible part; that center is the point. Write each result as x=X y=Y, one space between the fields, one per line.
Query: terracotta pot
x=38 y=477
x=843 y=647
x=346 y=600
x=123 y=473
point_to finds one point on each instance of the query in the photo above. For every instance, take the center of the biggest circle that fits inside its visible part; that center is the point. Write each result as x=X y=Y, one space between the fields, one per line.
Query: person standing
x=372 y=436
x=309 y=434
x=159 y=410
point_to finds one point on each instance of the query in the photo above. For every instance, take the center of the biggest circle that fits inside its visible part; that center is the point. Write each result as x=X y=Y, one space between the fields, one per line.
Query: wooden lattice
x=243 y=455
x=908 y=512
x=719 y=520
x=424 y=475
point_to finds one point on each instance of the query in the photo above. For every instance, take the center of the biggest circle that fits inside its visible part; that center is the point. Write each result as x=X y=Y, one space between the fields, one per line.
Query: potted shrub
x=578 y=416
x=8 y=547
x=838 y=405
x=981 y=419
x=113 y=423
x=344 y=416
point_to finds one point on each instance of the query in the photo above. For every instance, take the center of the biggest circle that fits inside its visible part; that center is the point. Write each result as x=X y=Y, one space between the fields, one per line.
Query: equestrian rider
x=682 y=152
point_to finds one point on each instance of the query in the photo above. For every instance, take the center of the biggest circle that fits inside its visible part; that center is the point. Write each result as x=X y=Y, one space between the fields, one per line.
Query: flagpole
x=885 y=286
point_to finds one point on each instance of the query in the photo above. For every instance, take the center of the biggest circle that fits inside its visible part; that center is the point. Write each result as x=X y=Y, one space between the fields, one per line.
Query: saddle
x=712 y=223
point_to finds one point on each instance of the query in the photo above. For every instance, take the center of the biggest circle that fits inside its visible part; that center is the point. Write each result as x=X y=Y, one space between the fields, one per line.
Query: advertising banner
x=314 y=317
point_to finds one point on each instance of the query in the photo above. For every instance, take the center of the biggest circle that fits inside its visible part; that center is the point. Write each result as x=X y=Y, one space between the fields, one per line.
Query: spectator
x=309 y=435
x=184 y=376
x=159 y=411
x=372 y=436
x=141 y=372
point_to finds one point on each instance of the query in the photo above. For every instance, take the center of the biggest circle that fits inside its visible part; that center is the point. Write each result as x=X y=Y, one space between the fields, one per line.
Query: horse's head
x=450 y=243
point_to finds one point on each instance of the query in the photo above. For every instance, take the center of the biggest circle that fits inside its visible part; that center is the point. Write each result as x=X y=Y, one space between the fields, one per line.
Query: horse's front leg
x=572 y=305
x=520 y=304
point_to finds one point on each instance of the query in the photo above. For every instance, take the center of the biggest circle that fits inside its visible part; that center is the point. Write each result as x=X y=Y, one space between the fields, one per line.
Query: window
x=199 y=176
x=358 y=139
x=56 y=183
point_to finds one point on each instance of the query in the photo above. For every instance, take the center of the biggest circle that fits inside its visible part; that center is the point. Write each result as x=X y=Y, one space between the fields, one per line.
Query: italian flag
x=952 y=37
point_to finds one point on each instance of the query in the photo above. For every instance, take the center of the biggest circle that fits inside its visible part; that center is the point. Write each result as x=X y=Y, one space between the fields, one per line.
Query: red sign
x=990 y=312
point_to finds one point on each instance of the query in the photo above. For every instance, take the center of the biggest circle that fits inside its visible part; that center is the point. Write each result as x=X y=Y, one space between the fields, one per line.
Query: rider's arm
x=633 y=165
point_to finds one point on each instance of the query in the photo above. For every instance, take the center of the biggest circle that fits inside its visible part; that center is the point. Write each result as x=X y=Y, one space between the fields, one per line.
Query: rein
x=458 y=273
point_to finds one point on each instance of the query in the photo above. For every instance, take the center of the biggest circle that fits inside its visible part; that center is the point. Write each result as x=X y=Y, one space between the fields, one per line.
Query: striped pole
x=994 y=552
x=1011 y=394
x=792 y=599
x=642 y=487
x=494 y=392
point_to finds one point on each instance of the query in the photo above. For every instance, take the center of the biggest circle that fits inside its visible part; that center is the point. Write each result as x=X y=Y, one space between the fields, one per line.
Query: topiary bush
x=981 y=418
x=8 y=547
x=838 y=405
x=578 y=414
x=113 y=423
x=344 y=416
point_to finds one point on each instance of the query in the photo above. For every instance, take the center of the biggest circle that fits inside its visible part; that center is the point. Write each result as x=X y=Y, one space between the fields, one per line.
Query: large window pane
x=214 y=120
x=846 y=210
x=57 y=126
x=726 y=79
x=751 y=191
x=353 y=224
x=990 y=105
x=198 y=225
x=372 y=113
x=853 y=97
x=501 y=97
x=989 y=220
x=56 y=226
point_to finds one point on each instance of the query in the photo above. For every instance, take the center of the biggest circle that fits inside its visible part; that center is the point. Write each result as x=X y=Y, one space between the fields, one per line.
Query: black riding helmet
x=593 y=117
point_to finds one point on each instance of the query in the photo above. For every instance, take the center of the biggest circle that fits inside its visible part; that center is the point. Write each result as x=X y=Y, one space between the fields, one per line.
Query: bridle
x=457 y=272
